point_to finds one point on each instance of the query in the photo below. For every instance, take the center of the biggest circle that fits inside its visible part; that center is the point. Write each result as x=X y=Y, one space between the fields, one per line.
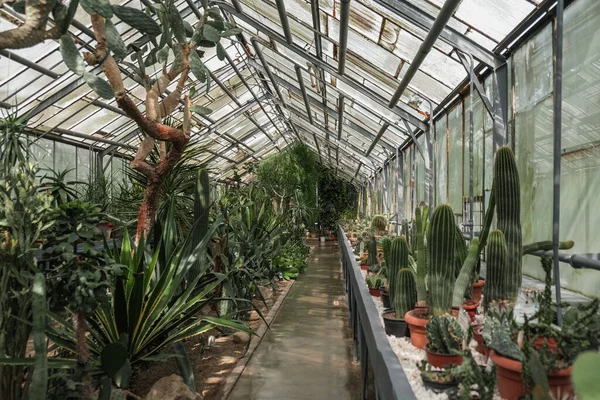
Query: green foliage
x=375 y=281
x=372 y=252
x=471 y=377
x=13 y=150
x=291 y=259
x=405 y=296
x=57 y=186
x=585 y=375
x=336 y=197
x=39 y=381
x=441 y=247
x=201 y=215
x=465 y=276
x=444 y=334
x=386 y=246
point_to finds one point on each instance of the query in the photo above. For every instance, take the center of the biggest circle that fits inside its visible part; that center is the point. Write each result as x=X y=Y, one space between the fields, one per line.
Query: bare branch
x=172 y=100
x=33 y=31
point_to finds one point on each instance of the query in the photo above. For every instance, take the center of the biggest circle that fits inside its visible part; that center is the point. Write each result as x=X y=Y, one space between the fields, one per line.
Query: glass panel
x=441 y=160
x=455 y=159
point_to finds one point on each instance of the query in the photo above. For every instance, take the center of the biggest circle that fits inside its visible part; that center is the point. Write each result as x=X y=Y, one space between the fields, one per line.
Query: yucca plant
x=149 y=311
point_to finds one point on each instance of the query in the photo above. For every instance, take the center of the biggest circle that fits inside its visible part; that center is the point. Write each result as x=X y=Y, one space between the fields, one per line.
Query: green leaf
x=162 y=55
x=115 y=41
x=231 y=32
x=71 y=55
x=99 y=7
x=201 y=110
x=210 y=33
x=137 y=19
x=177 y=24
x=68 y=18
x=112 y=358
x=99 y=85
x=197 y=67
x=215 y=13
x=585 y=375
x=220 y=51
x=192 y=92
x=189 y=30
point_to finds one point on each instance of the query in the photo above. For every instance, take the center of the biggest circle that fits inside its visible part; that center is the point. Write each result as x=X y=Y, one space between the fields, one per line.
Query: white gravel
x=409 y=357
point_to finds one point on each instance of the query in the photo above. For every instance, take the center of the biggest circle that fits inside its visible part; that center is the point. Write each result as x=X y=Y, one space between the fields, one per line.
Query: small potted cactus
x=379 y=223
x=374 y=283
x=445 y=341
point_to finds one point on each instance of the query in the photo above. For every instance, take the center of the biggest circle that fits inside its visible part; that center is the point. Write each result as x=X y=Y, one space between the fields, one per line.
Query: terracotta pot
x=375 y=292
x=481 y=347
x=442 y=360
x=364 y=267
x=417 y=321
x=470 y=307
x=539 y=343
x=477 y=289
x=510 y=384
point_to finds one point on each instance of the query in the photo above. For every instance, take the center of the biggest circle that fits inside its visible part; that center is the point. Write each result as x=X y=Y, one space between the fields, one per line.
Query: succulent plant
x=405 y=296
x=441 y=240
x=421 y=223
x=398 y=260
x=379 y=222
x=386 y=246
x=508 y=211
x=444 y=334
x=497 y=269
x=372 y=252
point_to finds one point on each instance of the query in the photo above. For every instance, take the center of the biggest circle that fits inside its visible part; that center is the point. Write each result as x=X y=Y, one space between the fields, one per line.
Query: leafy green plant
x=473 y=377
x=57 y=186
x=13 y=150
x=23 y=221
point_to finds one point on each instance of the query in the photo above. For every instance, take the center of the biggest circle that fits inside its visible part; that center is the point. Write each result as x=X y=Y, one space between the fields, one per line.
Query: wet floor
x=307 y=352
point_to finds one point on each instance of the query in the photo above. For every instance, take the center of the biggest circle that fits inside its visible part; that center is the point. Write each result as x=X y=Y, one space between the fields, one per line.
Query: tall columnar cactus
x=39 y=381
x=460 y=250
x=441 y=245
x=508 y=212
x=421 y=222
x=497 y=272
x=466 y=273
x=398 y=260
x=379 y=222
x=372 y=260
x=386 y=246
x=405 y=296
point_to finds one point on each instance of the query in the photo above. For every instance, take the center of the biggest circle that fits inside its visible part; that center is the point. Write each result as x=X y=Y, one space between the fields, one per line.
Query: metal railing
x=371 y=345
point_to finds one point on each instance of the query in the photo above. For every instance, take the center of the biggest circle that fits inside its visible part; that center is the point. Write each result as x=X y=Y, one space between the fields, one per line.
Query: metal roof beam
x=285 y=24
x=28 y=63
x=401 y=111
x=303 y=92
x=436 y=29
x=379 y=134
x=449 y=35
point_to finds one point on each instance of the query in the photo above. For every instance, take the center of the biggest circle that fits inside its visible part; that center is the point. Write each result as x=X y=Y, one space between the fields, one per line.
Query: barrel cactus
x=379 y=222
x=398 y=260
x=508 y=213
x=405 y=296
x=441 y=240
x=497 y=272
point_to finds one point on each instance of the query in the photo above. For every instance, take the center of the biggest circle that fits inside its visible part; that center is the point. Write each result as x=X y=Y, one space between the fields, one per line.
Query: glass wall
x=530 y=132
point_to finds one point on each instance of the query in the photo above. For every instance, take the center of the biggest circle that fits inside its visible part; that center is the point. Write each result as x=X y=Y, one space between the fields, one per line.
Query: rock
x=254 y=316
x=241 y=337
x=266 y=291
x=171 y=388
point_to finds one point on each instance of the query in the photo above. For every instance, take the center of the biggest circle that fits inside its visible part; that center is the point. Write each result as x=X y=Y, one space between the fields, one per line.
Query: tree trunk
x=82 y=354
x=148 y=209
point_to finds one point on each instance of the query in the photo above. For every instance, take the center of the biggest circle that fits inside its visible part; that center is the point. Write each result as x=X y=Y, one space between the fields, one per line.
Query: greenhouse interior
x=299 y=199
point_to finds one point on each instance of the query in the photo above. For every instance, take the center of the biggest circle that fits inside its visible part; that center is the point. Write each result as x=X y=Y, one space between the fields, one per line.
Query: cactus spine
x=372 y=253
x=420 y=221
x=441 y=245
x=379 y=222
x=508 y=206
x=386 y=246
x=398 y=260
x=497 y=269
x=405 y=297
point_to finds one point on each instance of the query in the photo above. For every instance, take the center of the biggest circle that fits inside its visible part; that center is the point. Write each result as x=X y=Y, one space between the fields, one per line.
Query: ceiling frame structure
x=295 y=73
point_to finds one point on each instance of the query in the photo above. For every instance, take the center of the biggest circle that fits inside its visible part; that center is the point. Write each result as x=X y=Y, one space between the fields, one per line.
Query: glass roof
x=254 y=116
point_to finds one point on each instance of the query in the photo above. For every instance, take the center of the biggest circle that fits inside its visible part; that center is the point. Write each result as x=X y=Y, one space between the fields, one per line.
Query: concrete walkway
x=307 y=352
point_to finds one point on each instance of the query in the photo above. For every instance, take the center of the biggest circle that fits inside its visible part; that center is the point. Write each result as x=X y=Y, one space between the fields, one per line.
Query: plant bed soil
x=211 y=365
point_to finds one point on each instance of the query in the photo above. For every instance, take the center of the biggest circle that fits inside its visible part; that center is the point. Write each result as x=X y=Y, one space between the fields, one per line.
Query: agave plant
x=150 y=311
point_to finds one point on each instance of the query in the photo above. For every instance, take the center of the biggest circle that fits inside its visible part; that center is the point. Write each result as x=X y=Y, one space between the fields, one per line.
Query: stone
x=266 y=291
x=241 y=337
x=171 y=387
x=254 y=316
